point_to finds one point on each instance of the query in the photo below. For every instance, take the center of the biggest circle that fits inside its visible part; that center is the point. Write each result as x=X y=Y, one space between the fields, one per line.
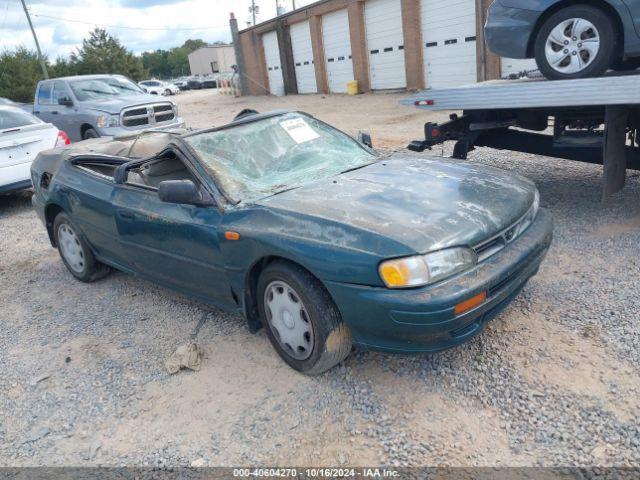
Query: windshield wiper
x=101 y=92
x=358 y=167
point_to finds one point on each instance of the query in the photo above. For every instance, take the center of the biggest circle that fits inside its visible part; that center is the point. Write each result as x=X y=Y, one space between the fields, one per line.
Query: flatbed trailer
x=594 y=120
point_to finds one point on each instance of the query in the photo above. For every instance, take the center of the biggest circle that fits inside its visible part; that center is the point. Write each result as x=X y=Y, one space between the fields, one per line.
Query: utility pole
x=35 y=38
x=253 y=9
x=293 y=3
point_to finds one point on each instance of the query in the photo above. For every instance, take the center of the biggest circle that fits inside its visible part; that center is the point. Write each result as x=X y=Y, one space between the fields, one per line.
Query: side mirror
x=66 y=101
x=179 y=191
x=365 y=139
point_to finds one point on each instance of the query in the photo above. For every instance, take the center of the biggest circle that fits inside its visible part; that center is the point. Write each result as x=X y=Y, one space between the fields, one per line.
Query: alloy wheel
x=572 y=45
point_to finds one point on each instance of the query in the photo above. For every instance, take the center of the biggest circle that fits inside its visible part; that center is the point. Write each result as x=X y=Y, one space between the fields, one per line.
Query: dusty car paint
x=339 y=229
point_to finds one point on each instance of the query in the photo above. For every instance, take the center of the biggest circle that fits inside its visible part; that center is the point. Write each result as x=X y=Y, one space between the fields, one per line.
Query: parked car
x=158 y=87
x=22 y=137
x=568 y=40
x=91 y=106
x=210 y=81
x=195 y=83
x=182 y=83
x=306 y=231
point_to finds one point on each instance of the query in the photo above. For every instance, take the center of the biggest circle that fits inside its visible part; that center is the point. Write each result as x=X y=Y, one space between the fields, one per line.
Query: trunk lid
x=22 y=144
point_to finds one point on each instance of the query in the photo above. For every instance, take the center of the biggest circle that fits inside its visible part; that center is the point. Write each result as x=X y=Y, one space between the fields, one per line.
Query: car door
x=61 y=114
x=176 y=245
x=87 y=186
x=44 y=102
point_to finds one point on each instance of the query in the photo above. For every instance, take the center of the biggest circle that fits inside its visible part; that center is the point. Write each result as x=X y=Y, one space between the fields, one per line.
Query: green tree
x=62 y=68
x=192 y=45
x=103 y=53
x=19 y=73
x=157 y=63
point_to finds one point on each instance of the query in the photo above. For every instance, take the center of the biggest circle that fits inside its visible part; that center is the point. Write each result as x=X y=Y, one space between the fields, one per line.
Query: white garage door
x=303 y=57
x=449 y=36
x=272 y=58
x=517 y=65
x=337 y=50
x=383 y=22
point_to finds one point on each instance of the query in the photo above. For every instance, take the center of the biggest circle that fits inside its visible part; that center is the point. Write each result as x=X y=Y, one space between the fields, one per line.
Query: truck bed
x=614 y=89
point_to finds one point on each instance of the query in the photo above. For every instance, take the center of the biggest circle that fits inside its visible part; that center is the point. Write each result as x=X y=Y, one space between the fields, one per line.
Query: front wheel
x=74 y=251
x=90 y=133
x=576 y=42
x=301 y=320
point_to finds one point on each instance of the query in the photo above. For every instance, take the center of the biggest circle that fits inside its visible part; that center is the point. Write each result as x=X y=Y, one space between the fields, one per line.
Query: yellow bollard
x=352 y=87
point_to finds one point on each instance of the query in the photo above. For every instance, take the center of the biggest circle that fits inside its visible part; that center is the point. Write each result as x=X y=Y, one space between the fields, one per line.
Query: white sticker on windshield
x=299 y=130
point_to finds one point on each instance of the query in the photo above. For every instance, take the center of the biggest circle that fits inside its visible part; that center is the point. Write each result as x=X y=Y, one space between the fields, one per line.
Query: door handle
x=55 y=112
x=124 y=214
x=36 y=112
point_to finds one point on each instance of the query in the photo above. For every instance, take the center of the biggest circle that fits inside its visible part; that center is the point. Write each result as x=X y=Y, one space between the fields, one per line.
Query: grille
x=147 y=115
x=492 y=246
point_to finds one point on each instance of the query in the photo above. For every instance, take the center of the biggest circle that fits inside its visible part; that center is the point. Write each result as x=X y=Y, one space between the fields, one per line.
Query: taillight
x=62 y=140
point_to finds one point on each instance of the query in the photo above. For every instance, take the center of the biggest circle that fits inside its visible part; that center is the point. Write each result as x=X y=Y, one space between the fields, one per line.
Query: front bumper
x=423 y=319
x=122 y=131
x=508 y=30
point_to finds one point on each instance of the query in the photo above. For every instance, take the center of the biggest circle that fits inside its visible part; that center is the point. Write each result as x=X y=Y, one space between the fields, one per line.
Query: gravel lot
x=552 y=381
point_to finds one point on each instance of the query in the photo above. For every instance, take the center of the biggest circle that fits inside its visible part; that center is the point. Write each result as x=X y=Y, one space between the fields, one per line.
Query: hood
x=423 y=203
x=115 y=104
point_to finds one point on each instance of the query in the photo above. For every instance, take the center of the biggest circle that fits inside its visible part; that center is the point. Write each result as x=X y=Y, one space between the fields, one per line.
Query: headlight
x=536 y=204
x=421 y=270
x=107 y=121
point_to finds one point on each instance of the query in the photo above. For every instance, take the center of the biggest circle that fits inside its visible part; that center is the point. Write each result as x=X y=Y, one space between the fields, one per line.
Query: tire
x=330 y=339
x=70 y=244
x=90 y=133
x=167 y=92
x=591 y=60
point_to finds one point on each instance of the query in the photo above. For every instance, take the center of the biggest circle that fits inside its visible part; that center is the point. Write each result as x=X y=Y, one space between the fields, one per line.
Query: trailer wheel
x=578 y=41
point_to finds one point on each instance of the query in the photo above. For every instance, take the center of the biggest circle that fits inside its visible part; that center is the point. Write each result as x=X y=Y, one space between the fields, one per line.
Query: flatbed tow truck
x=595 y=120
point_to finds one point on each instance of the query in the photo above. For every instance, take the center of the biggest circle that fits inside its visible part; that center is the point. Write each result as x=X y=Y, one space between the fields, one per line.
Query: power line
x=85 y=22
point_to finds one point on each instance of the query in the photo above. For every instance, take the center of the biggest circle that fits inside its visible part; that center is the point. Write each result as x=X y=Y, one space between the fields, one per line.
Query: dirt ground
x=554 y=380
x=391 y=125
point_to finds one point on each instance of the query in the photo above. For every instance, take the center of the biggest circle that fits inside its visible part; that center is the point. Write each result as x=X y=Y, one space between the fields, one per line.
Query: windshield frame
x=376 y=156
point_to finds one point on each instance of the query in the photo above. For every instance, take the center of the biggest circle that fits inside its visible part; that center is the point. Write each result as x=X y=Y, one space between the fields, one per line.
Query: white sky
x=182 y=19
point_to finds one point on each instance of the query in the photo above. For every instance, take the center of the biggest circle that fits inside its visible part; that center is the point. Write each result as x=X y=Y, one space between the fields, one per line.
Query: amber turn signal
x=232 y=235
x=470 y=303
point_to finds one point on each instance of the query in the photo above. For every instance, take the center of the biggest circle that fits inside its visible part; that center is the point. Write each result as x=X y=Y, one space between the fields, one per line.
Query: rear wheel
x=74 y=251
x=167 y=92
x=301 y=320
x=578 y=41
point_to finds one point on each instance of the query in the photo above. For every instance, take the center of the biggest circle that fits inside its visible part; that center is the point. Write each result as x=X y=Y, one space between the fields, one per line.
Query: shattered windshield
x=96 y=88
x=278 y=153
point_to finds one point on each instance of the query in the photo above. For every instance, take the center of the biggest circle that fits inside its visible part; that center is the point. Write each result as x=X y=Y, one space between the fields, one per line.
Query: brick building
x=383 y=44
